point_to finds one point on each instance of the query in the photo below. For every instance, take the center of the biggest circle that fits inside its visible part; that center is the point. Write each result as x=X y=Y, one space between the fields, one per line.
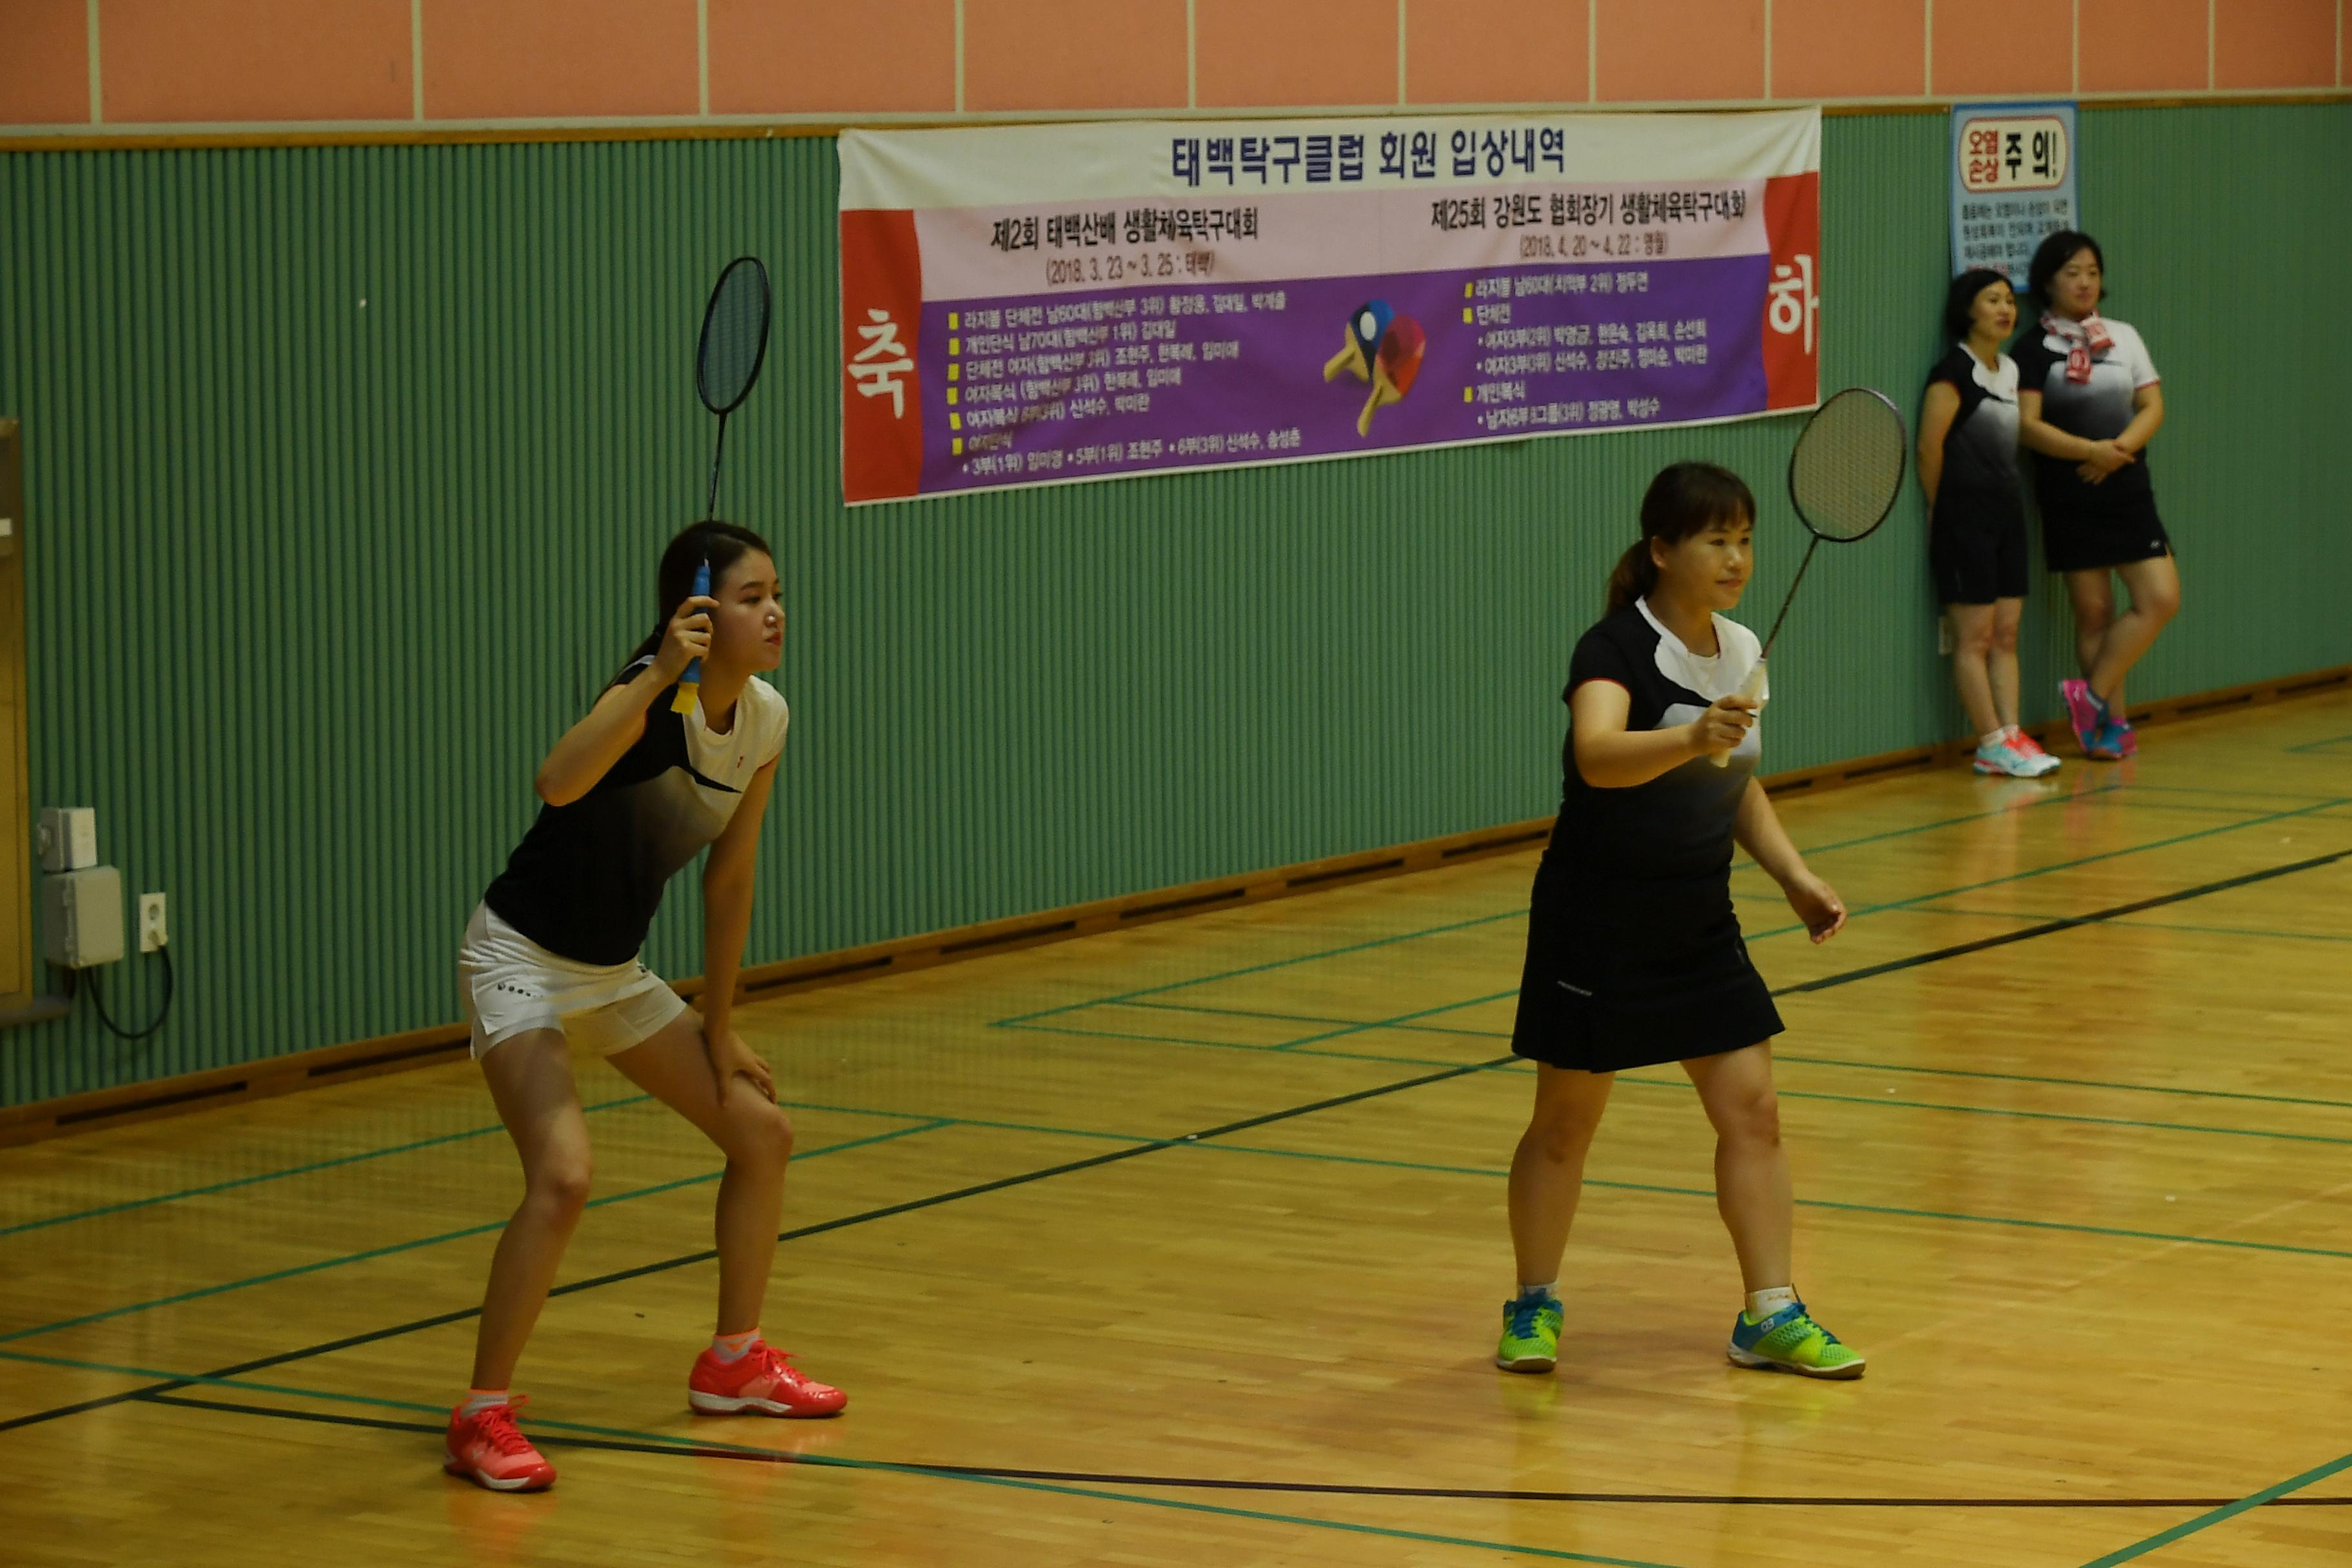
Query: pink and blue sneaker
x=2087 y=716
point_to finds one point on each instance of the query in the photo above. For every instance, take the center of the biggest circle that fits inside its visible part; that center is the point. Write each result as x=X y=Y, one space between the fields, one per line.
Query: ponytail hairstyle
x=720 y=543
x=1683 y=499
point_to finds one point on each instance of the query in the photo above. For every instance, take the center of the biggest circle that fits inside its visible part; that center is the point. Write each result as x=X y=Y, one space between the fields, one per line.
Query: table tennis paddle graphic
x=1394 y=368
x=1366 y=324
x=1382 y=348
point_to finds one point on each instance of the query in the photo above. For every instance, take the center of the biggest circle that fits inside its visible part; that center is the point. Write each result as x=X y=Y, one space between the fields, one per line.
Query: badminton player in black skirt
x=1635 y=956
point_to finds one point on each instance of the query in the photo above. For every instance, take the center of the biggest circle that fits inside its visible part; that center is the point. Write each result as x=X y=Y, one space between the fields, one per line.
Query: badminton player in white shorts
x=633 y=793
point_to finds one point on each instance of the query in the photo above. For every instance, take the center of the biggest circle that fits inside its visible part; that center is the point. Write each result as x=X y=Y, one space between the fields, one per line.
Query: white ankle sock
x=480 y=1399
x=1762 y=1304
x=1550 y=1288
x=734 y=1347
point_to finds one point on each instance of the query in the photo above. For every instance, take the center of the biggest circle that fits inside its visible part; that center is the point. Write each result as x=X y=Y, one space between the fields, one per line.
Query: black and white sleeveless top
x=1679 y=824
x=2099 y=409
x=587 y=878
x=1979 y=485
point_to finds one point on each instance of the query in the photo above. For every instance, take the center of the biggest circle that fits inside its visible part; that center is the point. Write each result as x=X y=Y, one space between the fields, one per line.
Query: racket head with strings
x=727 y=354
x=1845 y=477
x=734 y=341
x=1847 y=470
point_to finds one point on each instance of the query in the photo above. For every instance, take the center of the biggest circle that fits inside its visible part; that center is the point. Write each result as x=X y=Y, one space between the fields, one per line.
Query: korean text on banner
x=1041 y=304
x=2013 y=183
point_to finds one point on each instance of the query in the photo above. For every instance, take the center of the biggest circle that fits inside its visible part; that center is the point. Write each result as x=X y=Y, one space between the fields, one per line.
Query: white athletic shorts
x=511 y=983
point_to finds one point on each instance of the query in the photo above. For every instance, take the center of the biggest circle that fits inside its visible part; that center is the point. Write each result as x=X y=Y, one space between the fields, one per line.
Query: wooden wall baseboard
x=446 y=1043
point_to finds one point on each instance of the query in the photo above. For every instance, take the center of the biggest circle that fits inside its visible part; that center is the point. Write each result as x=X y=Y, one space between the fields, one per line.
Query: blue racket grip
x=689 y=685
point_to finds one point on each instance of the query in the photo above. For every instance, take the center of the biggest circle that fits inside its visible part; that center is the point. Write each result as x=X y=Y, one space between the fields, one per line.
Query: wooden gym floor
x=1184 y=1244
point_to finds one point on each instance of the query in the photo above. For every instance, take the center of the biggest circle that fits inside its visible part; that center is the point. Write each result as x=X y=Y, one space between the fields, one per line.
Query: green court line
x=1233 y=1046
x=936 y=1123
x=1901 y=903
x=2321 y=745
x=305 y=1169
x=842 y=1462
x=2230 y=930
x=1796 y=1093
x=375 y=1252
x=1261 y=968
x=1489 y=919
x=1094 y=1494
x=2236 y=793
x=2163 y=1538
x=1782 y=1056
x=1399 y=1020
x=1895 y=1211
x=2020 y=1115
x=632 y=1099
x=1708 y=1193
x=1403 y=1022
x=1025 y=1018
x=2054 y=798
x=2135 y=921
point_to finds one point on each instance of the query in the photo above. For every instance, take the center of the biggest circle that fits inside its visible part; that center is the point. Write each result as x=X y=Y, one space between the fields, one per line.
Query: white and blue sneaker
x=2013 y=755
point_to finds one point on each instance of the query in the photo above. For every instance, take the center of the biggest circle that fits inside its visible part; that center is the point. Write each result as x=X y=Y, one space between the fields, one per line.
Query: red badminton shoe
x=761 y=1381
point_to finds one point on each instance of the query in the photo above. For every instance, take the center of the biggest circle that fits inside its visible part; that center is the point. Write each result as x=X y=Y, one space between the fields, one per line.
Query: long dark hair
x=720 y=543
x=2051 y=257
x=1683 y=499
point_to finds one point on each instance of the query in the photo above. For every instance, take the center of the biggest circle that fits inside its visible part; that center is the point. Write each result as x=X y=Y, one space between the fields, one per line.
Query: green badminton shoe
x=1789 y=1341
x=1531 y=1333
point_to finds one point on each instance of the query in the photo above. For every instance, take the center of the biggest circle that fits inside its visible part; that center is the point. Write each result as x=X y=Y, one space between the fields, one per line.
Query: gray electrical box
x=67 y=837
x=81 y=917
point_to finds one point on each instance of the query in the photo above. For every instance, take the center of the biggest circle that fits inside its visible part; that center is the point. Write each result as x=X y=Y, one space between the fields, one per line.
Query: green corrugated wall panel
x=313 y=584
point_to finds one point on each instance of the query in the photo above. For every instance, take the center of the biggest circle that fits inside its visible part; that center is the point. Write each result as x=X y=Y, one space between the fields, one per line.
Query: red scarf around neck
x=2083 y=339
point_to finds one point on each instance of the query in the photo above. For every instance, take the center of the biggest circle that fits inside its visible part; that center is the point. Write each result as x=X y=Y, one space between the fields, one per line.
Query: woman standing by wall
x=1976 y=541
x=2088 y=404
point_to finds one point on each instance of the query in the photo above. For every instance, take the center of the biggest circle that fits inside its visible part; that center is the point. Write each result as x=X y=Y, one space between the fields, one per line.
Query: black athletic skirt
x=2079 y=537
x=1976 y=548
x=1632 y=974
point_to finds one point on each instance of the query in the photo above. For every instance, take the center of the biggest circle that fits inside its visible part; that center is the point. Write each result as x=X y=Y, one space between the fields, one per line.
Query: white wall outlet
x=153 y=931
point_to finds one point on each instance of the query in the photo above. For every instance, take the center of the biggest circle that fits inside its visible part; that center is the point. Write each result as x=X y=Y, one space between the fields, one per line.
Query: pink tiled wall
x=302 y=62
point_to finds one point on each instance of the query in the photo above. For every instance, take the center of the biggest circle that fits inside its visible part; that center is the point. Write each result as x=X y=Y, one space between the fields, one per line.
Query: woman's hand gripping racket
x=726 y=359
x=1843 y=477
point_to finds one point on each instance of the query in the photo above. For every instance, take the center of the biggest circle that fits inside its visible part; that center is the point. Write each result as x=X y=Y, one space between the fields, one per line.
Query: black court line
x=684 y=1260
x=2064 y=923
x=706 y=1255
x=687 y=1448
